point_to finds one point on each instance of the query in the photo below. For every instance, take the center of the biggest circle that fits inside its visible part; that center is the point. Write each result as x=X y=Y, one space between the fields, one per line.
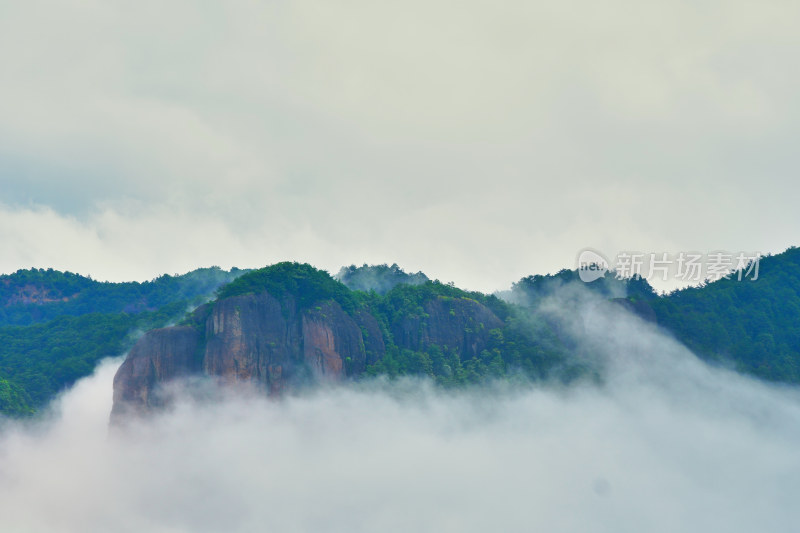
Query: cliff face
x=253 y=338
x=275 y=343
x=160 y=356
x=458 y=324
x=249 y=338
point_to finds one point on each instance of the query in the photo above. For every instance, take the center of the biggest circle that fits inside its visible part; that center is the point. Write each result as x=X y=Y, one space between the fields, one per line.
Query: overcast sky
x=476 y=141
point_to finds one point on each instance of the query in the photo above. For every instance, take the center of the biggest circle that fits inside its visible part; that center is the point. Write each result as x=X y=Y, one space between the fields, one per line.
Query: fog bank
x=666 y=443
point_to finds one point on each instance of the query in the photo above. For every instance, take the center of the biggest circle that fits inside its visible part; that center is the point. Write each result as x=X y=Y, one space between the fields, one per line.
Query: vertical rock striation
x=253 y=338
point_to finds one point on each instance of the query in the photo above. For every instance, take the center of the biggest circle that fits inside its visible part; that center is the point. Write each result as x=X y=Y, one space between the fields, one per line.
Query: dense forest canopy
x=55 y=326
x=753 y=324
x=38 y=295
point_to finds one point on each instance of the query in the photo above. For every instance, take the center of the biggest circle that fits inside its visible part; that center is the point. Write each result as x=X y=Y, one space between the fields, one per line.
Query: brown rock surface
x=252 y=338
x=160 y=355
x=455 y=323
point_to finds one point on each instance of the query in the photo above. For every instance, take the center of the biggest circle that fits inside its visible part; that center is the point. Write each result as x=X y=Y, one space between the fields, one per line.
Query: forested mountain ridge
x=393 y=324
x=753 y=325
x=55 y=326
x=38 y=295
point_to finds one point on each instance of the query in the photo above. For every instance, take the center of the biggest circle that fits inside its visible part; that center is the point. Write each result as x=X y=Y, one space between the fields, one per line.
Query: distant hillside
x=755 y=325
x=55 y=326
x=531 y=289
x=378 y=278
x=751 y=325
x=38 y=295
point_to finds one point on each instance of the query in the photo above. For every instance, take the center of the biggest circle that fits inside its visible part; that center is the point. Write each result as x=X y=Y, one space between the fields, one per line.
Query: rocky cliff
x=160 y=356
x=300 y=330
x=252 y=338
x=458 y=324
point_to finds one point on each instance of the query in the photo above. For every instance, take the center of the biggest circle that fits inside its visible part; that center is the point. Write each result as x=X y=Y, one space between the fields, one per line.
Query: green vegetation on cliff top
x=307 y=284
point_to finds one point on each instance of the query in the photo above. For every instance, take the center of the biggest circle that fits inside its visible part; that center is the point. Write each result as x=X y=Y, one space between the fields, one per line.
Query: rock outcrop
x=458 y=324
x=160 y=356
x=253 y=338
x=310 y=333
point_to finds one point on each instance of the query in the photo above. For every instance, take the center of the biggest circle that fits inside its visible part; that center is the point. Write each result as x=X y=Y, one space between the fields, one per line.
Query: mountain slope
x=38 y=295
x=752 y=324
x=66 y=323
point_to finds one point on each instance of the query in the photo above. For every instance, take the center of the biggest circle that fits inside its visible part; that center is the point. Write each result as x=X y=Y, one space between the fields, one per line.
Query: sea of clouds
x=665 y=443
